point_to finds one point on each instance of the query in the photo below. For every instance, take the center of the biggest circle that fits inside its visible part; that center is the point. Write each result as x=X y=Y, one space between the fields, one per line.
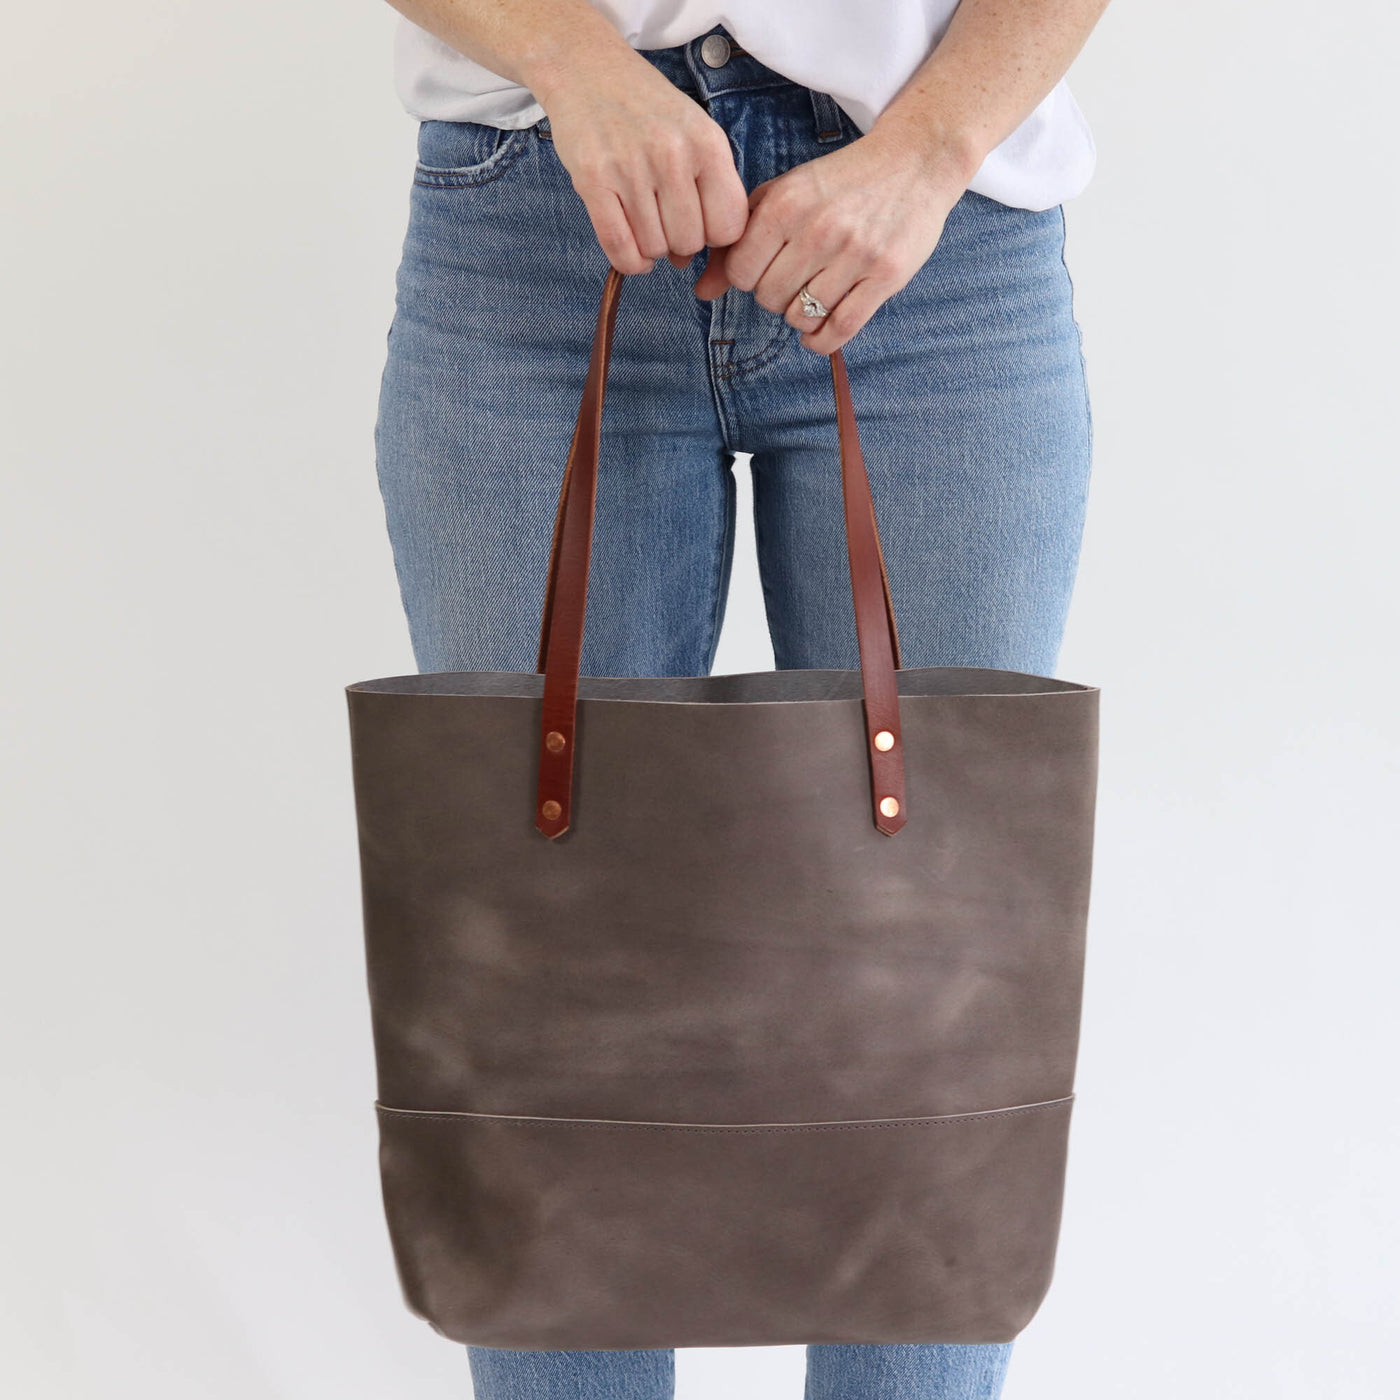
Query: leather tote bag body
x=723 y=1010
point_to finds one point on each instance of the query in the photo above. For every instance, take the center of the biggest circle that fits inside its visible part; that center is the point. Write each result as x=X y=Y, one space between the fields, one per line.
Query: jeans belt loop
x=826 y=116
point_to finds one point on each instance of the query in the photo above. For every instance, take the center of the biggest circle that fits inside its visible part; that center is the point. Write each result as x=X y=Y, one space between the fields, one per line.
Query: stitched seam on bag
x=951 y=1119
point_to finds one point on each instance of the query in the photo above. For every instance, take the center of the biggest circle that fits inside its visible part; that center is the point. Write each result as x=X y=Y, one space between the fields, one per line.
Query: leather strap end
x=877 y=636
x=886 y=771
x=553 y=796
x=888 y=789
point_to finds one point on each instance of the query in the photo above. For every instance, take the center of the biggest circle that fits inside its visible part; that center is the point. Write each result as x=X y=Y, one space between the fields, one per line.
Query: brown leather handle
x=566 y=598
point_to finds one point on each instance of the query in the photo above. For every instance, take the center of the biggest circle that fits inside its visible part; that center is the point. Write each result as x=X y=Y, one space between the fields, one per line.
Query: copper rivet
x=884 y=740
x=554 y=741
x=889 y=806
x=550 y=810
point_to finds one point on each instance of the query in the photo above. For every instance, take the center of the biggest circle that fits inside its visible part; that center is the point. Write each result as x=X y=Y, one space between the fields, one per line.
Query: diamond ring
x=810 y=305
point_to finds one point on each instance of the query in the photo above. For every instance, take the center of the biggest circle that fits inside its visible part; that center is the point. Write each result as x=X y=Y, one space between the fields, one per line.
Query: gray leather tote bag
x=723 y=1010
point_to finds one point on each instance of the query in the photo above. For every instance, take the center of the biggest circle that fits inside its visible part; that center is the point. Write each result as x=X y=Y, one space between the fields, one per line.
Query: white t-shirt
x=861 y=52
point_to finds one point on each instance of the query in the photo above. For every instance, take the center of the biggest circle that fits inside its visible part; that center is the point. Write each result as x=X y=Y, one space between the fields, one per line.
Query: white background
x=204 y=206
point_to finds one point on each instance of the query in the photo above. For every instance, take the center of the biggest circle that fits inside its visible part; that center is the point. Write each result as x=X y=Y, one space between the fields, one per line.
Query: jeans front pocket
x=454 y=155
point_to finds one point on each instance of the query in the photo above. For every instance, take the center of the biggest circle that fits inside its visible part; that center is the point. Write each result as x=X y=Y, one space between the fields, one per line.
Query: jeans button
x=714 y=49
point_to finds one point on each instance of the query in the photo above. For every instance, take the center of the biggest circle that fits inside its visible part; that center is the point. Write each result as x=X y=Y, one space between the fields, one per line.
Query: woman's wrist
x=934 y=147
x=591 y=52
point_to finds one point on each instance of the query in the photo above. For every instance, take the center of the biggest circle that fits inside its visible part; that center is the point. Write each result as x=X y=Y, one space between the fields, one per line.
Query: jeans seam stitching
x=760 y=357
x=442 y=178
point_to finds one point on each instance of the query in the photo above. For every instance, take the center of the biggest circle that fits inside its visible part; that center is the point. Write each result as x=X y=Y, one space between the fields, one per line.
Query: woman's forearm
x=995 y=64
x=531 y=42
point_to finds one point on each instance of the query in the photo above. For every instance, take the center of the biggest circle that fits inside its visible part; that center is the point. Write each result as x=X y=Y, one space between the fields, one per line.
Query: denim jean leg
x=906 y=1372
x=572 y=1375
x=970 y=397
x=497 y=301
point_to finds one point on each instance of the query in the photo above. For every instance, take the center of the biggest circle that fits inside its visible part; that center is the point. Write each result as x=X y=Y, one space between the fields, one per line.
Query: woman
x=886 y=178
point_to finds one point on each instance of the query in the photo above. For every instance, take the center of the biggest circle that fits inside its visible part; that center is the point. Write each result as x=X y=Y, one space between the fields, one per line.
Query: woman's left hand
x=854 y=226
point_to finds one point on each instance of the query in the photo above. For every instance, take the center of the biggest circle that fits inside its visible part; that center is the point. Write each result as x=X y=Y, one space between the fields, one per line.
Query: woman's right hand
x=653 y=168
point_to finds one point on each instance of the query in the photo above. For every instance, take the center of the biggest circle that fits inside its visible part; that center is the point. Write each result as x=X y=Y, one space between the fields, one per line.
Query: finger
x=847 y=317
x=830 y=286
x=796 y=263
x=713 y=281
x=644 y=216
x=746 y=260
x=614 y=232
x=723 y=203
x=678 y=203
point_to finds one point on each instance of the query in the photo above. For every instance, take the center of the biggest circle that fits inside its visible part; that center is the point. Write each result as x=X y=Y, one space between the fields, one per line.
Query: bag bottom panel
x=538 y=1233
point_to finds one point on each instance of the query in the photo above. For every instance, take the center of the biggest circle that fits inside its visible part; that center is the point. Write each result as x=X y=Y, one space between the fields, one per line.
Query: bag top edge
x=794 y=685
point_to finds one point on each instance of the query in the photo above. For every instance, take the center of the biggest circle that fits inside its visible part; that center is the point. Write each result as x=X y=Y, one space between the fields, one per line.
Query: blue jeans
x=971 y=398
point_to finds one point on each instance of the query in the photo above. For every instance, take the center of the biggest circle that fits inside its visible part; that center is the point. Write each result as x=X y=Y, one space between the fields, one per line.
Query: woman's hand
x=857 y=224
x=854 y=226
x=653 y=168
